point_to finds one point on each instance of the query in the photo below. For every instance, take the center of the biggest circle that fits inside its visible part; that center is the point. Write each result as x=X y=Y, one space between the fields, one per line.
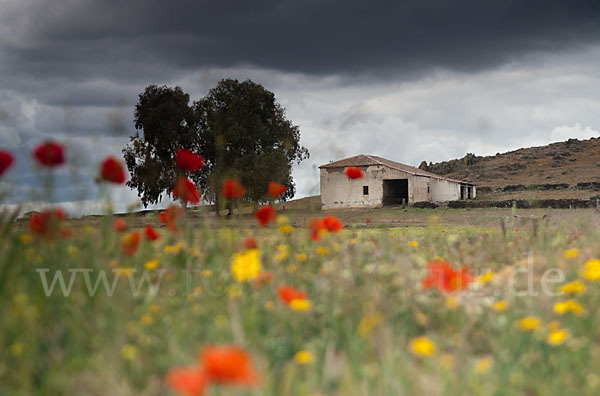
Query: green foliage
x=238 y=127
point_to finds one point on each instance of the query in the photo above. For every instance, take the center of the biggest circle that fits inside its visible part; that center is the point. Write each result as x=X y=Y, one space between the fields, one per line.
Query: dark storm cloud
x=135 y=39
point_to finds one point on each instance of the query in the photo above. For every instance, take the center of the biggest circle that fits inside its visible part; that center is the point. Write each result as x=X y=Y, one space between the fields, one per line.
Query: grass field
x=369 y=322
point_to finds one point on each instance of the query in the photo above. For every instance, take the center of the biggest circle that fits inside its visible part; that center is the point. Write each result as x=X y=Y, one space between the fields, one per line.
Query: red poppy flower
x=445 y=278
x=120 y=225
x=287 y=294
x=250 y=243
x=49 y=154
x=187 y=381
x=130 y=243
x=169 y=217
x=186 y=191
x=263 y=278
x=6 y=161
x=228 y=364
x=233 y=189
x=151 y=233
x=315 y=228
x=354 y=172
x=275 y=190
x=111 y=170
x=332 y=223
x=265 y=215
x=48 y=223
x=188 y=161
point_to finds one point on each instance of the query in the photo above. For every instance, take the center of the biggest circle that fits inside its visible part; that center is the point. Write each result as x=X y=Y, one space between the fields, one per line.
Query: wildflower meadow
x=280 y=303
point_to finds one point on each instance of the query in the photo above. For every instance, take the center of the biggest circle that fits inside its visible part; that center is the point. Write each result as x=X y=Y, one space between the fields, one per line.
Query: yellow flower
x=575 y=287
x=423 y=346
x=300 y=304
x=368 y=323
x=286 y=229
x=25 y=239
x=269 y=305
x=557 y=337
x=234 y=291
x=246 y=265
x=291 y=268
x=562 y=307
x=304 y=357
x=146 y=319
x=451 y=302
x=154 y=308
x=129 y=352
x=301 y=257
x=352 y=241
x=486 y=278
x=571 y=253
x=16 y=349
x=206 y=273
x=484 y=365
x=591 y=270
x=529 y=323
x=421 y=318
x=194 y=252
x=282 y=253
x=413 y=244
x=174 y=249
x=322 y=251
x=500 y=306
x=72 y=251
x=124 y=271
x=152 y=264
x=282 y=220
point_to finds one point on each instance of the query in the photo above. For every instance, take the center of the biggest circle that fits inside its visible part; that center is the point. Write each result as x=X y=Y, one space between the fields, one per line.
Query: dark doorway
x=463 y=192
x=394 y=191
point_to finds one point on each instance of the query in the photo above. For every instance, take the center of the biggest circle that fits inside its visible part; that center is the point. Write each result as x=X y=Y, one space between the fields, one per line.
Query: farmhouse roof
x=368 y=160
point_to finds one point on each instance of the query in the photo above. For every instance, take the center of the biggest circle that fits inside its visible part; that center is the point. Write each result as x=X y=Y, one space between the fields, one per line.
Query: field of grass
x=367 y=324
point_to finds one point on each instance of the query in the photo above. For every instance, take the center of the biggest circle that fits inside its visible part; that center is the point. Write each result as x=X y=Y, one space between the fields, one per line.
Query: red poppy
x=187 y=381
x=130 y=243
x=120 y=225
x=49 y=154
x=233 y=189
x=228 y=364
x=287 y=294
x=48 y=223
x=263 y=278
x=169 y=217
x=445 y=278
x=332 y=223
x=250 y=243
x=354 y=172
x=275 y=190
x=186 y=191
x=6 y=161
x=188 y=161
x=265 y=215
x=315 y=228
x=112 y=170
x=151 y=233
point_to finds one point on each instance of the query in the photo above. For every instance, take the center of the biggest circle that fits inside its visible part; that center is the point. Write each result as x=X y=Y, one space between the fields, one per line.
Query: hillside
x=558 y=170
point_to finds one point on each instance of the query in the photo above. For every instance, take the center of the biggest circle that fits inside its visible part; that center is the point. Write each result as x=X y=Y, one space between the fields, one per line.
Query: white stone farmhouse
x=385 y=182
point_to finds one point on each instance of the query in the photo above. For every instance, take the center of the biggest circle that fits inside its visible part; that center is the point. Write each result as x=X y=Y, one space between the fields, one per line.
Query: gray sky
x=407 y=80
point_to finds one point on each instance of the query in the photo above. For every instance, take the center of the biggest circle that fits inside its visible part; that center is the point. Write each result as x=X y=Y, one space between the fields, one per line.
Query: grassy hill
x=568 y=169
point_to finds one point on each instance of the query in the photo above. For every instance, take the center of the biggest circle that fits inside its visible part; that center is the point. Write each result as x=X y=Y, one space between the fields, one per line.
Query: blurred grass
x=123 y=344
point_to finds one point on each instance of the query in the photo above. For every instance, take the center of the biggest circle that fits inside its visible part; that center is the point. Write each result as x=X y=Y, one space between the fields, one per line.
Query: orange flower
x=151 y=233
x=188 y=161
x=263 y=278
x=187 y=381
x=228 y=364
x=130 y=243
x=354 y=173
x=265 y=215
x=49 y=154
x=119 y=225
x=287 y=294
x=275 y=190
x=445 y=278
x=186 y=191
x=250 y=243
x=48 y=223
x=315 y=228
x=112 y=170
x=233 y=189
x=332 y=223
x=169 y=217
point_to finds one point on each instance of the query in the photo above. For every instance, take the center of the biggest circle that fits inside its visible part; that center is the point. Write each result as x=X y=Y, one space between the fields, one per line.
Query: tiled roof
x=368 y=160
